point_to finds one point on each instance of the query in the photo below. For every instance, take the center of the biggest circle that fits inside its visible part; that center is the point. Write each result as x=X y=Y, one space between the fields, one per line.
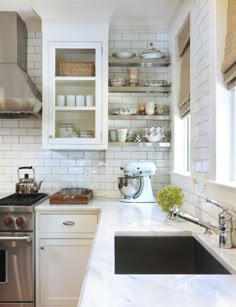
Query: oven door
x=16 y=269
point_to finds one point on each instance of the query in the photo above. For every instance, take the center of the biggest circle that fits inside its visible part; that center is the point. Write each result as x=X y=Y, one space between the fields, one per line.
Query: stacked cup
x=122 y=134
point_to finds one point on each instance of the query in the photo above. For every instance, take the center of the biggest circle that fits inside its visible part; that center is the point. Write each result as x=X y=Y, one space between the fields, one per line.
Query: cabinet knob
x=51 y=136
x=42 y=247
x=69 y=223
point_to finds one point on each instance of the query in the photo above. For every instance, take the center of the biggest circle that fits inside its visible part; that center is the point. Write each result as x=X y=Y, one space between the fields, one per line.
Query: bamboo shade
x=184 y=37
x=184 y=91
x=229 y=64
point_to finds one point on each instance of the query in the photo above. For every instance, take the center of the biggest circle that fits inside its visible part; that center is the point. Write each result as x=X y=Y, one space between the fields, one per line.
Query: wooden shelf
x=137 y=62
x=59 y=78
x=66 y=108
x=139 y=89
x=142 y=144
x=142 y=117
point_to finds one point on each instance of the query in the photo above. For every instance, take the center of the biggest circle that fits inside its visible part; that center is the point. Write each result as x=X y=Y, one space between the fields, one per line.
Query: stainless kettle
x=27 y=185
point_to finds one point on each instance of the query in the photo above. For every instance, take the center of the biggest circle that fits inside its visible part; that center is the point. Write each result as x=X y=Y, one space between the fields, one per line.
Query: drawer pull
x=69 y=223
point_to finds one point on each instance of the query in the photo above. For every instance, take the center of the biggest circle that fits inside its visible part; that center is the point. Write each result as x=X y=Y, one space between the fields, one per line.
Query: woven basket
x=78 y=69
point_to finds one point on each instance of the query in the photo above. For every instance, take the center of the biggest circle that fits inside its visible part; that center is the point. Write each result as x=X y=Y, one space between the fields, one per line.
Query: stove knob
x=19 y=221
x=8 y=221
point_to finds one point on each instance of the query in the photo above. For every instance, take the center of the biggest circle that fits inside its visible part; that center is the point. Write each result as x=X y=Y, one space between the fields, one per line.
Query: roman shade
x=184 y=37
x=229 y=64
x=184 y=53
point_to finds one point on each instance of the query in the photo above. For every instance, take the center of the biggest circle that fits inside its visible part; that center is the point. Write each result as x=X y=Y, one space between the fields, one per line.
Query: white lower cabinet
x=62 y=269
x=62 y=256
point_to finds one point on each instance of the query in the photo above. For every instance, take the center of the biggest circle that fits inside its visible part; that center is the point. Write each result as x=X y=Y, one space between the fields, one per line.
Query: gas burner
x=22 y=199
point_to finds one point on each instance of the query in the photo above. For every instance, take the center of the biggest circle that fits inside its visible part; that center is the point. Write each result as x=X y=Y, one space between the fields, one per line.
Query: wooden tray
x=71 y=196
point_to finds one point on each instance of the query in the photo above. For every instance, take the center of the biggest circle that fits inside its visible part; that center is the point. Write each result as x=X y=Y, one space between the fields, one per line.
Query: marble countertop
x=103 y=288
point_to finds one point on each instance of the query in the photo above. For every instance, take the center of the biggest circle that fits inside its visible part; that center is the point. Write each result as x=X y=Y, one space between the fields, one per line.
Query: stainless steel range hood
x=19 y=97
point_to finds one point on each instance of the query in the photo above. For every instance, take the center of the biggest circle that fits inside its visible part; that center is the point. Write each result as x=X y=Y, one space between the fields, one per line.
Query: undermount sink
x=164 y=255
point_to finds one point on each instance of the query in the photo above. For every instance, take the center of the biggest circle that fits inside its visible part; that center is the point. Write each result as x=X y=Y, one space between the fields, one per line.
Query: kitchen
x=98 y=169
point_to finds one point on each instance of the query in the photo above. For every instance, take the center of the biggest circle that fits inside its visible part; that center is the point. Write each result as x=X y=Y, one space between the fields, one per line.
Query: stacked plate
x=123 y=111
x=155 y=83
x=85 y=134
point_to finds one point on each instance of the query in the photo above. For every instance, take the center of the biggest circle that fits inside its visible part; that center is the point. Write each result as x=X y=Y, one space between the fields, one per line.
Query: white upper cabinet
x=75 y=90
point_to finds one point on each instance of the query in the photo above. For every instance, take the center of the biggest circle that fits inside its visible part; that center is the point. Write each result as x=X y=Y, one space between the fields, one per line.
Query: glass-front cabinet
x=73 y=115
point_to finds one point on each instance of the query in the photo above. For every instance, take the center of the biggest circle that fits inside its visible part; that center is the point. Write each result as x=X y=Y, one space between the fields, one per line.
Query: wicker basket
x=78 y=69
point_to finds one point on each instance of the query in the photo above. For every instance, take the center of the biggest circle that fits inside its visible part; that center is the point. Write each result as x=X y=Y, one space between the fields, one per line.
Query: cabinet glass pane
x=76 y=88
x=75 y=62
x=73 y=123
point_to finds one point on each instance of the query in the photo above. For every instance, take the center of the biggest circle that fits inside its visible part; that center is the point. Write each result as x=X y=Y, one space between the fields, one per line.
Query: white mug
x=122 y=134
x=89 y=101
x=149 y=107
x=70 y=100
x=60 y=100
x=80 y=100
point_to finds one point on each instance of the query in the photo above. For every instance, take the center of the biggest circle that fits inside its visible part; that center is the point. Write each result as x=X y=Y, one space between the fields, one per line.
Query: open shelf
x=139 y=89
x=142 y=144
x=138 y=62
x=142 y=117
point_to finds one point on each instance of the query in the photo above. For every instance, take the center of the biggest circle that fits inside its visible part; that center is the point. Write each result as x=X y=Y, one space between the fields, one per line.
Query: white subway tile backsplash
x=5 y=131
x=147 y=37
x=27 y=139
x=123 y=45
x=35 y=147
x=68 y=162
x=9 y=124
x=51 y=162
x=36 y=162
x=19 y=147
x=121 y=155
x=27 y=123
x=31 y=35
x=130 y=36
x=139 y=45
x=35 y=57
x=115 y=37
x=10 y=139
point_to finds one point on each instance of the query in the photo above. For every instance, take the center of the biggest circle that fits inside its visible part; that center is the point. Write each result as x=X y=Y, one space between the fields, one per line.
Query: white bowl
x=154 y=138
x=123 y=54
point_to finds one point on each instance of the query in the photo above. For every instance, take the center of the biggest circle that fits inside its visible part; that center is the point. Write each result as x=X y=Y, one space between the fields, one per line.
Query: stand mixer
x=135 y=186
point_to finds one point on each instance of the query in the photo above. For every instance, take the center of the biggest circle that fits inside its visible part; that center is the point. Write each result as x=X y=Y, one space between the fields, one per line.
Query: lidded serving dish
x=152 y=53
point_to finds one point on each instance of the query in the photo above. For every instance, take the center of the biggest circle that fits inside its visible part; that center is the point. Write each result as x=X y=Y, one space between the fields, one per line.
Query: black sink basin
x=163 y=255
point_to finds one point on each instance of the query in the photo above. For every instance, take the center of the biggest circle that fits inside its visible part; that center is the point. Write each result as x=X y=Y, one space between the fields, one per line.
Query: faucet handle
x=225 y=216
x=225 y=228
x=173 y=212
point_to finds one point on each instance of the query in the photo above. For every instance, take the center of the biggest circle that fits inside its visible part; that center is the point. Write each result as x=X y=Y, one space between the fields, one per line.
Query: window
x=187 y=143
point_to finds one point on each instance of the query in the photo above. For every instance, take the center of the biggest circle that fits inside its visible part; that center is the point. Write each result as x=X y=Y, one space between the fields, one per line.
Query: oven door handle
x=23 y=238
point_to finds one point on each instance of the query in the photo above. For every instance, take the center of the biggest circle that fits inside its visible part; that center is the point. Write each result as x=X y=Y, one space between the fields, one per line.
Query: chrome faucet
x=225 y=225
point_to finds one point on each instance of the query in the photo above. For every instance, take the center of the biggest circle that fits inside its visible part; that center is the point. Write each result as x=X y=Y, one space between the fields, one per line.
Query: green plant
x=169 y=196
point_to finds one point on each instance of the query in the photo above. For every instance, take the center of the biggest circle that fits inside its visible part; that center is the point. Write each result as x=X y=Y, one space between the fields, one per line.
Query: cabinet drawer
x=68 y=223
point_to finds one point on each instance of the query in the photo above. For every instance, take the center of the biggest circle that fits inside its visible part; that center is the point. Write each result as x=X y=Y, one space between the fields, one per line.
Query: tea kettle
x=27 y=185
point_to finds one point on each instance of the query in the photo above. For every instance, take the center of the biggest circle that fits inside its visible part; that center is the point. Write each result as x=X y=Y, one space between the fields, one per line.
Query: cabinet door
x=62 y=269
x=73 y=115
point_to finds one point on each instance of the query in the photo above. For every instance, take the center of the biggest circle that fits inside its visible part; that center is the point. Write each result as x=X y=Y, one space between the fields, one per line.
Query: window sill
x=228 y=186
x=183 y=179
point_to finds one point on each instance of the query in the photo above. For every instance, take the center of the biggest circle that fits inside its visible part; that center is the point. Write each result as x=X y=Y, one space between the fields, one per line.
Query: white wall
x=20 y=140
x=210 y=109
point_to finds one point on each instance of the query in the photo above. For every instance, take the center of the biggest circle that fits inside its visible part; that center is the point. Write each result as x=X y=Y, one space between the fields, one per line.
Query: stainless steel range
x=17 y=238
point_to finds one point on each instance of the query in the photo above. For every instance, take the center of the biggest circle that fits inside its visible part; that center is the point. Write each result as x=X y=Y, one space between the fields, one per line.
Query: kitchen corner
x=101 y=286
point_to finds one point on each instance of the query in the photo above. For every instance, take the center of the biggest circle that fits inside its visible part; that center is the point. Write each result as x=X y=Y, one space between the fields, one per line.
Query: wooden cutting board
x=71 y=196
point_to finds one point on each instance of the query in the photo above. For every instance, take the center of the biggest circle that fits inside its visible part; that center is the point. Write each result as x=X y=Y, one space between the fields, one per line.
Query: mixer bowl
x=130 y=187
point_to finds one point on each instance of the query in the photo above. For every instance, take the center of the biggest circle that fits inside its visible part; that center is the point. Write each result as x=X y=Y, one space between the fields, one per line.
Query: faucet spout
x=224 y=229
x=175 y=212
